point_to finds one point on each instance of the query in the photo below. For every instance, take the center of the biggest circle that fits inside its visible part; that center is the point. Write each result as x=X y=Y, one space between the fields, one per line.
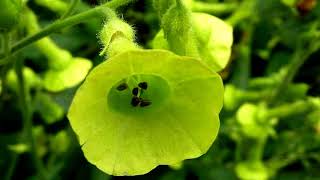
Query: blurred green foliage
x=270 y=124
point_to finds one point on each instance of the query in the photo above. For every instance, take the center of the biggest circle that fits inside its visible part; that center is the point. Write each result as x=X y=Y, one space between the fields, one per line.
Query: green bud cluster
x=65 y=71
x=177 y=27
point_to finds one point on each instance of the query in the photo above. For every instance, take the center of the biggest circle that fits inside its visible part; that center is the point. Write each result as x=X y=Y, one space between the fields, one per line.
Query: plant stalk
x=99 y=11
x=27 y=119
x=299 y=57
x=70 y=9
x=286 y=110
x=214 y=8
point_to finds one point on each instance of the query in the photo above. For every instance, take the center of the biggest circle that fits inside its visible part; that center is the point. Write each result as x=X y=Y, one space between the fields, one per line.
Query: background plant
x=270 y=121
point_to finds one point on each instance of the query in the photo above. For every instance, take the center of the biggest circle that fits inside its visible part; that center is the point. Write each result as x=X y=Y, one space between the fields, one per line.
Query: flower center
x=138 y=93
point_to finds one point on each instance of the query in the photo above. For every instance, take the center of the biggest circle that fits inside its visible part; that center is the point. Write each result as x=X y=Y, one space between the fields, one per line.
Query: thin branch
x=71 y=8
x=99 y=11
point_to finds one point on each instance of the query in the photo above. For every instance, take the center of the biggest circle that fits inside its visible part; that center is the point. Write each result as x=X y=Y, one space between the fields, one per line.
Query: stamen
x=143 y=85
x=145 y=103
x=135 y=91
x=135 y=101
x=122 y=86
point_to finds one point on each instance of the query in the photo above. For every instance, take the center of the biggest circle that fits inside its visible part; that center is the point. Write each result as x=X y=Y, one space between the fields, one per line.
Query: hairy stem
x=99 y=11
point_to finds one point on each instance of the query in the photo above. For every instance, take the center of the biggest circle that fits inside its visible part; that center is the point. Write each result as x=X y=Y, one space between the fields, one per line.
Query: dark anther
x=122 y=86
x=145 y=103
x=143 y=85
x=135 y=91
x=135 y=101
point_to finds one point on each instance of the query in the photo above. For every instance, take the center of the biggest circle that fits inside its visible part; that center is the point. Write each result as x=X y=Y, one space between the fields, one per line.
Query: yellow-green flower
x=144 y=108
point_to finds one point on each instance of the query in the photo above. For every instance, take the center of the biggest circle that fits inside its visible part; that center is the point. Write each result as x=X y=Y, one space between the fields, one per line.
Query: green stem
x=27 y=119
x=299 y=58
x=214 y=8
x=71 y=8
x=11 y=166
x=242 y=72
x=245 y=10
x=239 y=147
x=253 y=95
x=6 y=43
x=257 y=149
x=102 y=10
x=299 y=107
x=275 y=164
x=262 y=82
x=57 y=57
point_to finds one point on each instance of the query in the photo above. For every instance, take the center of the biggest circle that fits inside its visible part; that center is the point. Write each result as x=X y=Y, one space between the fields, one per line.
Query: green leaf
x=123 y=138
x=214 y=40
x=56 y=80
x=159 y=41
